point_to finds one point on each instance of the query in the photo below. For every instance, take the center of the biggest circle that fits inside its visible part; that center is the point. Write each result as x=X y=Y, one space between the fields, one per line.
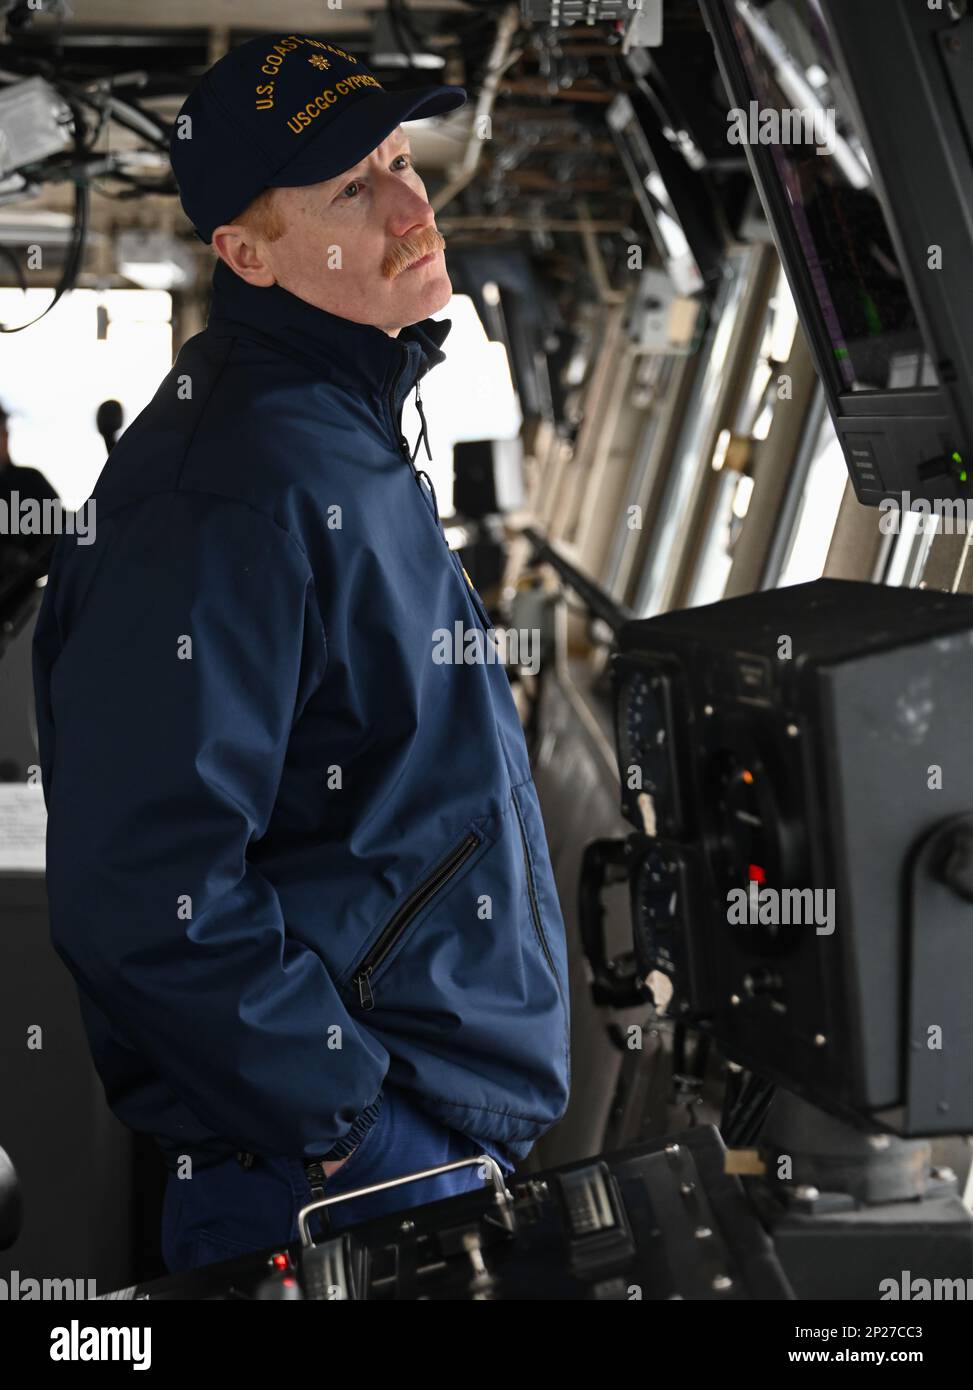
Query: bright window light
x=469 y=396
x=55 y=374
x=825 y=487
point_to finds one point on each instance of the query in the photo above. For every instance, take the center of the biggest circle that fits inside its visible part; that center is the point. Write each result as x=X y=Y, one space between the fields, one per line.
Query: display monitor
x=856 y=118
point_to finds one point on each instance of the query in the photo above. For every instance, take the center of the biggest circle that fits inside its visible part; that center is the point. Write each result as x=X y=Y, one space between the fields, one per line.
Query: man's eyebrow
x=401 y=144
x=402 y=141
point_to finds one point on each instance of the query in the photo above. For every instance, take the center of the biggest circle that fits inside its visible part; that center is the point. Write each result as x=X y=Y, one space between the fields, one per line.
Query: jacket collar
x=356 y=355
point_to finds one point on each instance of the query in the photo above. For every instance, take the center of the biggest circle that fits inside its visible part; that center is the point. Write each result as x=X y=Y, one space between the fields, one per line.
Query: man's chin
x=426 y=295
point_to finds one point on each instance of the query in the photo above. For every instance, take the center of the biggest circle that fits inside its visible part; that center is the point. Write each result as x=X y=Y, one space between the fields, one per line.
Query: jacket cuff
x=360 y=1127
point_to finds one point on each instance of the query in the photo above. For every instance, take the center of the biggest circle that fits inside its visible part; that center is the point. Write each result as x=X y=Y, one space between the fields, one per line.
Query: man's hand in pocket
x=332 y=1165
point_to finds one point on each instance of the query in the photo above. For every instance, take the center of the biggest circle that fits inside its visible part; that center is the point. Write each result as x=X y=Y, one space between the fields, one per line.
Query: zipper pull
x=423 y=436
x=365 y=995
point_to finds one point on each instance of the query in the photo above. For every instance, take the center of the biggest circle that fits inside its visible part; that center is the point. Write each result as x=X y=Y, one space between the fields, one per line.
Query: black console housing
x=813 y=741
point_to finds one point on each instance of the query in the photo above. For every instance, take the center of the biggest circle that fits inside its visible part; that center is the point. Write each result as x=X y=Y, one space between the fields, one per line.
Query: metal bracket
x=502 y=1196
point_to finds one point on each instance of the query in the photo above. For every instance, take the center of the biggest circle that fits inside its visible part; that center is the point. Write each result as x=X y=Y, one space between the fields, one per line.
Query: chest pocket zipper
x=413 y=905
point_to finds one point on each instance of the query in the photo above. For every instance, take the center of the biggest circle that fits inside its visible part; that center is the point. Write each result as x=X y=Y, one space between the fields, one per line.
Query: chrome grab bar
x=500 y=1192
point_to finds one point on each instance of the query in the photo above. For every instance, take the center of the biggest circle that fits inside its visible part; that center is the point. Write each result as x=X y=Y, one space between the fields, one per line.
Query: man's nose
x=410 y=211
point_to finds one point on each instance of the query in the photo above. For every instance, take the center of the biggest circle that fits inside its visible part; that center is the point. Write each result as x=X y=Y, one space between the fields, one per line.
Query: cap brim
x=352 y=134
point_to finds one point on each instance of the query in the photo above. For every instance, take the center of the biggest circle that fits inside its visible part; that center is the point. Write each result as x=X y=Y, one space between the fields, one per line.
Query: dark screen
x=803 y=117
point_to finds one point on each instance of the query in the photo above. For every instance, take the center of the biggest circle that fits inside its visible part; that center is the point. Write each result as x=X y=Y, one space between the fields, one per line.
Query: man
x=296 y=865
x=20 y=544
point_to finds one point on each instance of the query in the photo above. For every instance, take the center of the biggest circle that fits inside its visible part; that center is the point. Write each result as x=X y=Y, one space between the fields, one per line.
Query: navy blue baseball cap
x=280 y=113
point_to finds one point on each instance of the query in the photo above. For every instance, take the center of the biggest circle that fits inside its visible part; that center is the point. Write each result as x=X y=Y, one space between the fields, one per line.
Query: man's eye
x=356 y=183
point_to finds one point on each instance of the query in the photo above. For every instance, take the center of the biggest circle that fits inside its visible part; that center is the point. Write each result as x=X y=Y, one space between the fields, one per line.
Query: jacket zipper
x=417 y=473
x=403 y=442
x=531 y=893
x=412 y=905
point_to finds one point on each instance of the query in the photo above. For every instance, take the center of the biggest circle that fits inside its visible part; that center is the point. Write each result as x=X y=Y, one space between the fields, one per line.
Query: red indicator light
x=280 y=1261
x=756 y=874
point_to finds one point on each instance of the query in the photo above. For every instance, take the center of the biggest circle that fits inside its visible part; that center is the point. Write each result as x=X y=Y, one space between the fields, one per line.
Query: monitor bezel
x=928 y=422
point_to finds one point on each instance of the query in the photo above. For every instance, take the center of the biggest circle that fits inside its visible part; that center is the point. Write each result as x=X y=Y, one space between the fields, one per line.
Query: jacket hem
x=360 y=1127
x=208 y=1155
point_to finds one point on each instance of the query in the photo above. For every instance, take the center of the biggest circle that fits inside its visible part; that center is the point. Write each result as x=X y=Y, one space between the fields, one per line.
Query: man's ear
x=243 y=253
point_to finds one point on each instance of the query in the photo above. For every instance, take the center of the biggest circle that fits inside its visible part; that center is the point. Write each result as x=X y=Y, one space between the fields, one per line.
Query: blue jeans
x=225 y=1210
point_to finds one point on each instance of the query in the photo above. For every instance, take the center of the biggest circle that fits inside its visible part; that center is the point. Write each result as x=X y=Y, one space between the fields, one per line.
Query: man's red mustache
x=403 y=255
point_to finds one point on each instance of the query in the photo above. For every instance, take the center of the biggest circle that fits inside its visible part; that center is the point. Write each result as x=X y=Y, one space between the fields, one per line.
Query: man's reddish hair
x=263 y=216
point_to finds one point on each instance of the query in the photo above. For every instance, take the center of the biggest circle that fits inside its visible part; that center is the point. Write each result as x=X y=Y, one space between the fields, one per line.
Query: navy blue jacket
x=289 y=853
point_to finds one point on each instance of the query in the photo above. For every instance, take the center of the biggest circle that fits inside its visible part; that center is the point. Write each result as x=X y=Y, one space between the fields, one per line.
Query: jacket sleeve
x=188 y=642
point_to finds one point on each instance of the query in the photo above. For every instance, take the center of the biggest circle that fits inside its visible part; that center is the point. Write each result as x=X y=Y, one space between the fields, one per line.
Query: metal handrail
x=596 y=600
